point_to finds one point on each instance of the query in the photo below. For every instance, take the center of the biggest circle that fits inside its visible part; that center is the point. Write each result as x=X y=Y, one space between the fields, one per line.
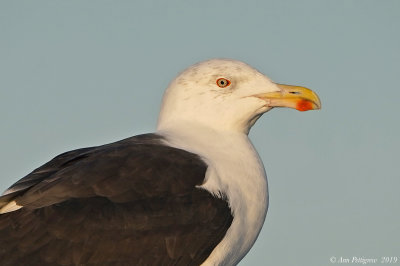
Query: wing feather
x=132 y=202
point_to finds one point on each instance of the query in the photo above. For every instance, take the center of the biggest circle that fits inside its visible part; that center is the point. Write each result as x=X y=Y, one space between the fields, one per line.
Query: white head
x=227 y=95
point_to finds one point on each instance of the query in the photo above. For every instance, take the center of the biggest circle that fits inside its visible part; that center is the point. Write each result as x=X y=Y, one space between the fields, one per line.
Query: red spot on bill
x=304 y=105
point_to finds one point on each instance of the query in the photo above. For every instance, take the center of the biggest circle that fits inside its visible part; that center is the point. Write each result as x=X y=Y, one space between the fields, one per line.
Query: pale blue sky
x=82 y=73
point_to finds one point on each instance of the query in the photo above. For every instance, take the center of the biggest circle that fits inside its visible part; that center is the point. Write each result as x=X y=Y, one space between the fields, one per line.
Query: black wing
x=132 y=202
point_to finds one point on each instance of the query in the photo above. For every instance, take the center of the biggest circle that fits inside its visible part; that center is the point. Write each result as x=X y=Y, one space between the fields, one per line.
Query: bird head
x=228 y=95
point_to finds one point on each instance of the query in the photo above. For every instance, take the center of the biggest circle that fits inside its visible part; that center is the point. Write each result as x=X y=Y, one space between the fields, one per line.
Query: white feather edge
x=10 y=207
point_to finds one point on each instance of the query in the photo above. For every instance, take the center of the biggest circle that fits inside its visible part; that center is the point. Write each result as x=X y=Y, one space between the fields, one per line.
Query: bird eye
x=222 y=82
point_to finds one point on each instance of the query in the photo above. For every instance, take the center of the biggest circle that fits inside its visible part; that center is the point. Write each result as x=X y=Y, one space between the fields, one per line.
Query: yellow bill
x=296 y=97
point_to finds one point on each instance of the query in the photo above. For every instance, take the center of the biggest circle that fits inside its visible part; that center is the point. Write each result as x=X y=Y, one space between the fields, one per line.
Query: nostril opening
x=294 y=92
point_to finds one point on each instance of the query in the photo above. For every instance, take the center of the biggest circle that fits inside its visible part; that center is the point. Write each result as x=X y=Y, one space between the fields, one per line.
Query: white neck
x=235 y=169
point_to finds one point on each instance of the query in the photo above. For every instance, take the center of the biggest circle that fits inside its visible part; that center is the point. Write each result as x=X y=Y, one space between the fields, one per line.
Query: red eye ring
x=223 y=82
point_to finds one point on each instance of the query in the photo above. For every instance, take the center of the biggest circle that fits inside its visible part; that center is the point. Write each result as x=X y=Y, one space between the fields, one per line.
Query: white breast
x=236 y=170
